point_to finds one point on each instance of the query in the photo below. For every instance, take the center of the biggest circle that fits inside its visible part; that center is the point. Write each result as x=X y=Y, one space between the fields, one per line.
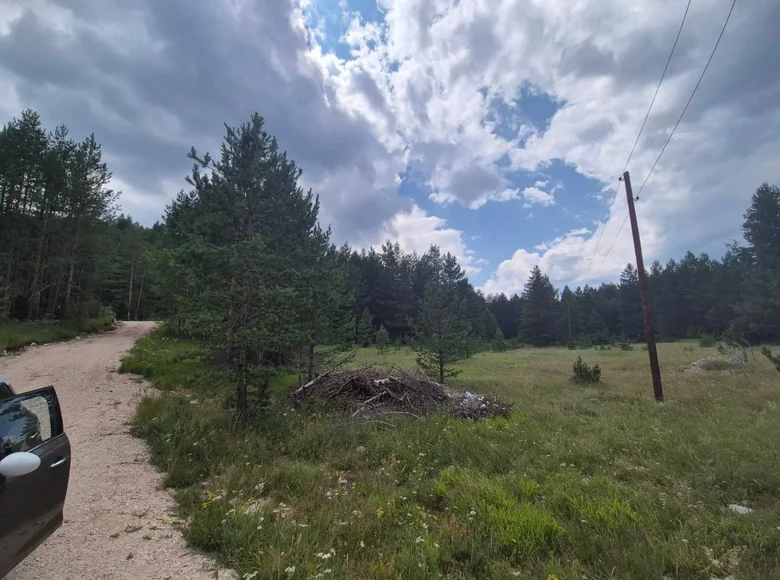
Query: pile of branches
x=370 y=391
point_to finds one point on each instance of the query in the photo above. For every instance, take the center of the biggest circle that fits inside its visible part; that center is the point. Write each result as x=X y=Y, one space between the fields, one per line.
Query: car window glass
x=25 y=423
x=5 y=391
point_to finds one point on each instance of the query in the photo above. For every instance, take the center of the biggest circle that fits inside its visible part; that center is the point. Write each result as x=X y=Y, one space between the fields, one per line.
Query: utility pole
x=647 y=316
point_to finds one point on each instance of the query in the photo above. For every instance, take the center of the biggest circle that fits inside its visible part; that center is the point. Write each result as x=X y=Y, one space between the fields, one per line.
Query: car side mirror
x=19 y=463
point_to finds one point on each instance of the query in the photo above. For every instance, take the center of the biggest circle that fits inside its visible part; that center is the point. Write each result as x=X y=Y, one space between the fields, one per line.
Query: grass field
x=15 y=335
x=580 y=482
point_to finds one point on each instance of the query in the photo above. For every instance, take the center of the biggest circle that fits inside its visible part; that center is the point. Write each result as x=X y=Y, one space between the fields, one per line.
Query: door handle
x=59 y=462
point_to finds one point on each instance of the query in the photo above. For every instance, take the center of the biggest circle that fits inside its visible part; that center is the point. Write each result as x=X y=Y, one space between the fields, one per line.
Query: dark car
x=34 y=471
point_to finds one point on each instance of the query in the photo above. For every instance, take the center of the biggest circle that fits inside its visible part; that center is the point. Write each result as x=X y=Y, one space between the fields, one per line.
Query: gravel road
x=118 y=518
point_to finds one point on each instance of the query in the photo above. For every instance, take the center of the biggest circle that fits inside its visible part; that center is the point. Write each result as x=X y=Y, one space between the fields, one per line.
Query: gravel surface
x=119 y=521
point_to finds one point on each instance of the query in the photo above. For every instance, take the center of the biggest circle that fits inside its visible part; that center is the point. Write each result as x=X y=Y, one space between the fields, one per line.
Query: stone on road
x=119 y=520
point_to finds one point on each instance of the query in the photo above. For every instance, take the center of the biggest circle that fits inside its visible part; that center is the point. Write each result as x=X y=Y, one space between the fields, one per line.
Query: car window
x=5 y=390
x=26 y=421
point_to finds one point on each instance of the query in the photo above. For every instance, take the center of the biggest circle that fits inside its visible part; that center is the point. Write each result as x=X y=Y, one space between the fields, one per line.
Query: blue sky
x=495 y=129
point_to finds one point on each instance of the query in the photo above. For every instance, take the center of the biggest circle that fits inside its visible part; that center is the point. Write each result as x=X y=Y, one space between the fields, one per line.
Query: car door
x=31 y=505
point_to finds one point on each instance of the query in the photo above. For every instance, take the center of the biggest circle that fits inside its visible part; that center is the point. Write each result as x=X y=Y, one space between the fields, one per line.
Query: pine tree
x=596 y=328
x=251 y=257
x=365 y=329
x=382 y=340
x=540 y=317
x=441 y=331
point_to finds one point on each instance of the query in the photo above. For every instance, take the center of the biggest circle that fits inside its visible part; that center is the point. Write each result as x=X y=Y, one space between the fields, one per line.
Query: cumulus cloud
x=442 y=66
x=416 y=231
x=151 y=79
x=535 y=196
x=435 y=88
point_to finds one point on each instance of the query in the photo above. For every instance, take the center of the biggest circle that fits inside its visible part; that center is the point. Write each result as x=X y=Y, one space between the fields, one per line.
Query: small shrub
x=382 y=340
x=571 y=345
x=707 y=340
x=720 y=348
x=644 y=347
x=583 y=373
x=624 y=343
x=773 y=358
x=688 y=348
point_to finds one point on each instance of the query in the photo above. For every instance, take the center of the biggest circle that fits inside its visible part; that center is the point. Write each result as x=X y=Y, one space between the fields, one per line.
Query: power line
x=701 y=77
x=610 y=248
x=677 y=124
x=642 y=128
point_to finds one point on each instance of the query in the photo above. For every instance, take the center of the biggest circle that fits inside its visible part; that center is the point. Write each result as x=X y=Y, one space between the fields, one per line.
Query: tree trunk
x=140 y=292
x=441 y=368
x=68 y=289
x=243 y=370
x=130 y=292
x=34 y=301
x=241 y=385
x=310 y=365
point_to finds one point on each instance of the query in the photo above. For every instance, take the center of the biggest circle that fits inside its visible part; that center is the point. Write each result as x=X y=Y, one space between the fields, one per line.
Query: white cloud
x=535 y=196
x=442 y=65
x=416 y=231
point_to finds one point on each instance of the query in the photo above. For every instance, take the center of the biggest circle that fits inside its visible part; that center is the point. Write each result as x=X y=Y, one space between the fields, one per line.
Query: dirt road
x=117 y=517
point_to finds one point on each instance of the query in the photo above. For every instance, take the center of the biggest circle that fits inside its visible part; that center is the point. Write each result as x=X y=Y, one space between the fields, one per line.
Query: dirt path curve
x=117 y=517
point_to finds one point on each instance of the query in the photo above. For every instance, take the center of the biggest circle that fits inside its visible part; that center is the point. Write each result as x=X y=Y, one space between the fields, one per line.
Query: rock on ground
x=119 y=522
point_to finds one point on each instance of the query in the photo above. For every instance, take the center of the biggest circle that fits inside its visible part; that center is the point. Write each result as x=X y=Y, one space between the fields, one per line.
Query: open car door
x=34 y=471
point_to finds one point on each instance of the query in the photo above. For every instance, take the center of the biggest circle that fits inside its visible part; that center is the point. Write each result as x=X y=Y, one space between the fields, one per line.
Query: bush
x=571 y=345
x=707 y=340
x=624 y=343
x=584 y=373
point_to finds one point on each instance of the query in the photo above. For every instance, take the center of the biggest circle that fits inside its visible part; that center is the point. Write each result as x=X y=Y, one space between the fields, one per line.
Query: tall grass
x=15 y=335
x=577 y=483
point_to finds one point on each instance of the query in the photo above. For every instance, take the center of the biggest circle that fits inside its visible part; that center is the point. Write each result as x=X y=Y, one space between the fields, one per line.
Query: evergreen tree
x=596 y=328
x=540 y=317
x=365 y=329
x=252 y=257
x=630 y=303
x=441 y=332
x=382 y=340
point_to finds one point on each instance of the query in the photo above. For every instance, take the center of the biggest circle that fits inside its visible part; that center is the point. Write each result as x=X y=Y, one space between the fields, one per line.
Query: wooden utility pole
x=647 y=316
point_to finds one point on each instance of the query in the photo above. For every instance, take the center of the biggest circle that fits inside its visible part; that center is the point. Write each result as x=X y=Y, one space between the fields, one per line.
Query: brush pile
x=370 y=391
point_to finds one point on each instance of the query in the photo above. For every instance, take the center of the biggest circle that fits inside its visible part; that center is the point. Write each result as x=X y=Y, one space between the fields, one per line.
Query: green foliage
x=707 y=340
x=55 y=212
x=623 y=343
x=774 y=359
x=382 y=340
x=571 y=344
x=442 y=335
x=365 y=329
x=606 y=484
x=15 y=335
x=499 y=342
x=541 y=314
x=584 y=373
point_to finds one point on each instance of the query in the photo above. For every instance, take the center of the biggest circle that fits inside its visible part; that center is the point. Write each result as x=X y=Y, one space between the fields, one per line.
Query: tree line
x=65 y=252
x=240 y=263
x=738 y=296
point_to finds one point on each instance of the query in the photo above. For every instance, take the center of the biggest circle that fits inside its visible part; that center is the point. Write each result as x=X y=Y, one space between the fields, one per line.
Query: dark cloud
x=152 y=78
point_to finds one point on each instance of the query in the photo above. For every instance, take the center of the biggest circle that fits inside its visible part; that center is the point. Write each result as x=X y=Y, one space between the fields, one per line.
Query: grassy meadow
x=580 y=482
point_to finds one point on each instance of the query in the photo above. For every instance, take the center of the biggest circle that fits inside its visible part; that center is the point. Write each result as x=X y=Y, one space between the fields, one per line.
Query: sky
x=496 y=129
